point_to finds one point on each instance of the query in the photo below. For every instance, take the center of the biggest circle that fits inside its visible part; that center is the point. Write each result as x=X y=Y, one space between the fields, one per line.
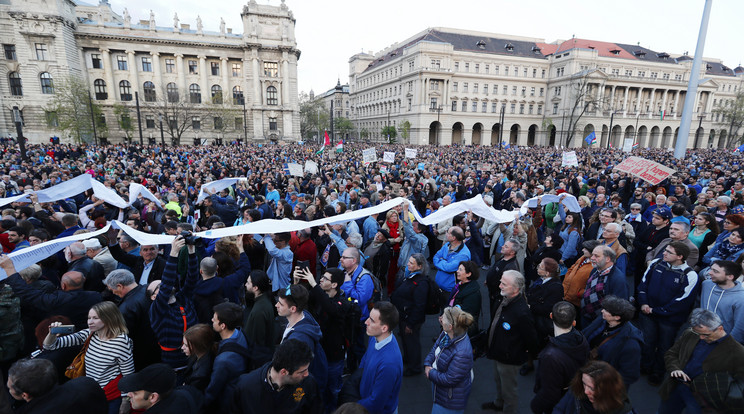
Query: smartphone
x=62 y=330
x=303 y=264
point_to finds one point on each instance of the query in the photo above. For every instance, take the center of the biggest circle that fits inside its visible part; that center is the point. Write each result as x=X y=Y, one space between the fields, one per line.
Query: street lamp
x=19 y=130
x=609 y=135
x=162 y=136
x=245 y=120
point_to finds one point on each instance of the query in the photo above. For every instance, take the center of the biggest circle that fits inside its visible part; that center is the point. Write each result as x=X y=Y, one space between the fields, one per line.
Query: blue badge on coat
x=506 y=326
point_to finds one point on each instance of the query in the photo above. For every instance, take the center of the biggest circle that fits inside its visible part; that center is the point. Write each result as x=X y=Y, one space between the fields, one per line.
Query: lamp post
x=162 y=135
x=19 y=130
x=245 y=120
x=609 y=134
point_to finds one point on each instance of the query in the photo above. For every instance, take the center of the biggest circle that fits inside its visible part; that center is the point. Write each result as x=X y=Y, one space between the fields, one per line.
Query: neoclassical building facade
x=458 y=86
x=228 y=85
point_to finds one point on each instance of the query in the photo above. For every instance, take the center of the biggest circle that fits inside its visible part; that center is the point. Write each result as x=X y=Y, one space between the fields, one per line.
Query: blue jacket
x=382 y=374
x=369 y=229
x=669 y=291
x=308 y=331
x=361 y=291
x=451 y=379
x=228 y=286
x=413 y=243
x=623 y=351
x=447 y=263
x=227 y=367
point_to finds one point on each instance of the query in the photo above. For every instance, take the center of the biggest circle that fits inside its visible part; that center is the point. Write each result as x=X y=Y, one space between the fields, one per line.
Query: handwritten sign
x=569 y=159
x=648 y=170
x=411 y=152
x=388 y=157
x=295 y=169
x=369 y=155
x=311 y=167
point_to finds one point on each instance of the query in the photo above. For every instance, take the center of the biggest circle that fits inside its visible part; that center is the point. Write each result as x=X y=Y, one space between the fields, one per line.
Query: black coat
x=183 y=400
x=493 y=279
x=135 y=307
x=81 y=395
x=93 y=272
x=409 y=297
x=380 y=263
x=254 y=394
x=559 y=361
x=514 y=333
x=330 y=313
x=74 y=304
x=541 y=299
x=137 y=264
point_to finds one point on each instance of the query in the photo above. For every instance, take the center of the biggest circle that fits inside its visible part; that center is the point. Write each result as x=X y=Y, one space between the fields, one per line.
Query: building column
x=256 y=82
x=158 y=71
x=697 y=100
x=134 y=70
x=285 y=80
x=207 y=91
x=600 y=97
x=108 y=72
x=467 y=136
x=181 y=73
x=243 y=83
x=664 y=100
x=651 y=103
x=638 y=102
x=676 y=103
x=709 y=103
x=625 y=100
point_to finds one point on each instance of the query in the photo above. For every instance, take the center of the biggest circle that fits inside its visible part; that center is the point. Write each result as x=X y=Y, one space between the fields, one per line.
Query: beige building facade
x=228 y=85
x=465 y=87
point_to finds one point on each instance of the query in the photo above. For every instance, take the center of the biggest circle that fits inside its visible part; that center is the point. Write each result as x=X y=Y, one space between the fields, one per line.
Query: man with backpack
x=359 y=285
x=232 y=356
x=409 y=297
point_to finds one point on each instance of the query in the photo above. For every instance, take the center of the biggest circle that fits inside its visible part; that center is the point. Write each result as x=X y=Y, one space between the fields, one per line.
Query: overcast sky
x=329 y=32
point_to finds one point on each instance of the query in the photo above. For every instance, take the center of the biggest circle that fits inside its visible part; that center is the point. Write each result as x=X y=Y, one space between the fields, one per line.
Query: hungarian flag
x=327 y=141
x=635 y=146
x=591 y=139
x=340 y=147
x=662 y=114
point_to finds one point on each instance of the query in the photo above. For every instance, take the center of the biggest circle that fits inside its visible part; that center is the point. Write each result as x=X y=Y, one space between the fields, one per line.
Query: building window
x=196 y=122
x=147 y=64
x=531 y=109
x=433 y=104
x=272 y=124
x=465 y=87
x=434 y=85
x=477 y=68
x=20 y=113
x=654 y=75
x=99 y=87
x=193 y=68
x=215 y=66
x=125 y=90
x=271 y=96
x=217 y=123
x=194 y=93
x=474 y=107
x=95 y=60
x=454 y=86
x=495 y=89
x=464 y=106
x=121 y=62
x=524 y=72
x=513 y=108
x=149 y=89
x=410 y=104
x=467 y=67
x=493 y=107
x=237 y=95
x=539 y=109
x=534 y=73
x=52 y=121
x=47 y=86
x=543 y=73
x=41 y=51
x=557 y=91
x=475 y=88
x=216 y=94
x=505 y=90
x=485 y=89
x=506 y=70
x=170 y=65
x=524 y=91
x=10 y=52
x=236 y=69
x=484 y=107
x=641 y=73
x=457 y=66
x=454 y=106
x=149 y=121
x=238 y=123
x=532 y=91
x=555 y=109
x=271 y=69
x=436 y=63
x=171 y=90
x=496 y=69
x=172 y=122
x=542 y=91
x=485 y=69
x=521 y=109
x=514 y=90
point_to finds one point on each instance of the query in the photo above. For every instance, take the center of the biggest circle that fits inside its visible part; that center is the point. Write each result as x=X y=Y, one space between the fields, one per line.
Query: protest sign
x=569 y=159
x=411 y=152
x=295 y=169
x=628 y=145
x=388 y=157
x=648 y=170
x=311 y=167
x=369 y=155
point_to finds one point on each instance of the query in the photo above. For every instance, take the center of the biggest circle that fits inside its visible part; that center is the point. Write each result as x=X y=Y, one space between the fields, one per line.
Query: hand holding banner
x=388 y=157
x=569 y=159
x=651 y=171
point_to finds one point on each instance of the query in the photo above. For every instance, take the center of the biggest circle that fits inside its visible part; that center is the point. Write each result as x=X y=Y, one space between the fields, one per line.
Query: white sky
x=329 y=32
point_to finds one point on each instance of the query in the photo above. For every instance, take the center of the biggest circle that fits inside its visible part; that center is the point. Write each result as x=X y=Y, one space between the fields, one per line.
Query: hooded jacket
x=308 y=331
x=622 y=351
x=728 y=304
x=559 y=361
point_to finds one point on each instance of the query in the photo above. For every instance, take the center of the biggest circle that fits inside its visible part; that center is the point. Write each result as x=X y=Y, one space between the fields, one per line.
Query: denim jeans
x=679 y=399
x=658 y=337
x=438 y=409
x=335 y=380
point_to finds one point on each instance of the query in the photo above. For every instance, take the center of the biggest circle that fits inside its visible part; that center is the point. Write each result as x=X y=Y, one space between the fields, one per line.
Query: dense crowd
x=641 y=279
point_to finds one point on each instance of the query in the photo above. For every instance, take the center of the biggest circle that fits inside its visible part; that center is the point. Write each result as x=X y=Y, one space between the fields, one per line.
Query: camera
x=189 y=238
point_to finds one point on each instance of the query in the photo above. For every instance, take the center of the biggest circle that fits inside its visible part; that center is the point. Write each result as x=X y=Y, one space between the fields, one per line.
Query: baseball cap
x=92 y=243
x=664 y=213
x=158 y=378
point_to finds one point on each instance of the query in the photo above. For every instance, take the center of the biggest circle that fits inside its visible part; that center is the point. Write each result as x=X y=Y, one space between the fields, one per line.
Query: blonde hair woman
x=108 y=356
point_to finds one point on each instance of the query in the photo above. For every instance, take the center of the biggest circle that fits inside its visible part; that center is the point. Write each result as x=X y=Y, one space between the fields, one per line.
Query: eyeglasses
x=705 y=335
x=346 y=257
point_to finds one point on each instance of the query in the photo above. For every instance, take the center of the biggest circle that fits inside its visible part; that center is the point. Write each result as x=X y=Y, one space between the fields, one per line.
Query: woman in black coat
x=198 y=344
x=542 y=294
x=466 y=293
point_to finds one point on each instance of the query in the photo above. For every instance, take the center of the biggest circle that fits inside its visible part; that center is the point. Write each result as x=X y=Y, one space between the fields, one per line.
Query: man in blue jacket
x=359 y=287
x=232 y=356
x=448 y=259
x=382 y=364
x=666 y=294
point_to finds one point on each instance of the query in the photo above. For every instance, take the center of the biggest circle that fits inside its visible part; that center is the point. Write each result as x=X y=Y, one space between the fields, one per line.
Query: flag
x=327 y=140
x=591 y=138
x=635 y=146
x=286 y=168
x=662 y=114
x=740 y=149
x=340 y=147
x=320 y=151
x=506 y=145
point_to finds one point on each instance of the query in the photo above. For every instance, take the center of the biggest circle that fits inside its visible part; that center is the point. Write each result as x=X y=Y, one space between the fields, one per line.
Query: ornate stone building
x=457 y=86
x=226 y=85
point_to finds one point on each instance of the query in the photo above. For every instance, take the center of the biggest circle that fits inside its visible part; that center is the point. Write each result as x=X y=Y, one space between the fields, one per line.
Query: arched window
x=16 y=89
x=149 y=89
x=194 y=93
x=238 y=95
x=271 y=96
x=99 y=87
x=47 y=87
x=172 y=91
x=216 y=94
x=125 y=90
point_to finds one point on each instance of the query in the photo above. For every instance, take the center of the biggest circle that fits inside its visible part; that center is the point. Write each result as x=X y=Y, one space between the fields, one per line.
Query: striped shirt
x=104 y=360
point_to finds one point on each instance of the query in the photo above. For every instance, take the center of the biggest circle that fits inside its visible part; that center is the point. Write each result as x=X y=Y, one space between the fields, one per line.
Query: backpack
x=433 y=298
x=11 y=329
x=376 y=292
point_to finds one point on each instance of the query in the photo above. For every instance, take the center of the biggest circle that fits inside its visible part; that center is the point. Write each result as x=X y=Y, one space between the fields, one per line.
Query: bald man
x=71 y=301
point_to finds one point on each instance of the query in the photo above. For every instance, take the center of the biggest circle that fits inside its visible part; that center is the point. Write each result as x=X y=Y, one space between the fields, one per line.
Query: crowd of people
x=640 y=279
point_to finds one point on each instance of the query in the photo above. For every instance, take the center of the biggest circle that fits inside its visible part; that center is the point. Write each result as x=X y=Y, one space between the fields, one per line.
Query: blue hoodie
x=308 y=331
x=226 y=369
x=728 y=304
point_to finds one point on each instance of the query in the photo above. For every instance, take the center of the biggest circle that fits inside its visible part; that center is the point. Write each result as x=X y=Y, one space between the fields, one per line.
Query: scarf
x=595 y=292
x=726 y=249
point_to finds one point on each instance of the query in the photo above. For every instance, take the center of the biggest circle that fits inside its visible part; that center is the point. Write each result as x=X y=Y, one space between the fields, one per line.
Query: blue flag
x=740 y=148
x=286 y=168
x=591 y=138
x=506 y=145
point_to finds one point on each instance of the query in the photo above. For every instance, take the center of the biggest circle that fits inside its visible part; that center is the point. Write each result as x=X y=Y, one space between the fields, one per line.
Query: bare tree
x=177 y=111
x=731 y=114
x=582 y=97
